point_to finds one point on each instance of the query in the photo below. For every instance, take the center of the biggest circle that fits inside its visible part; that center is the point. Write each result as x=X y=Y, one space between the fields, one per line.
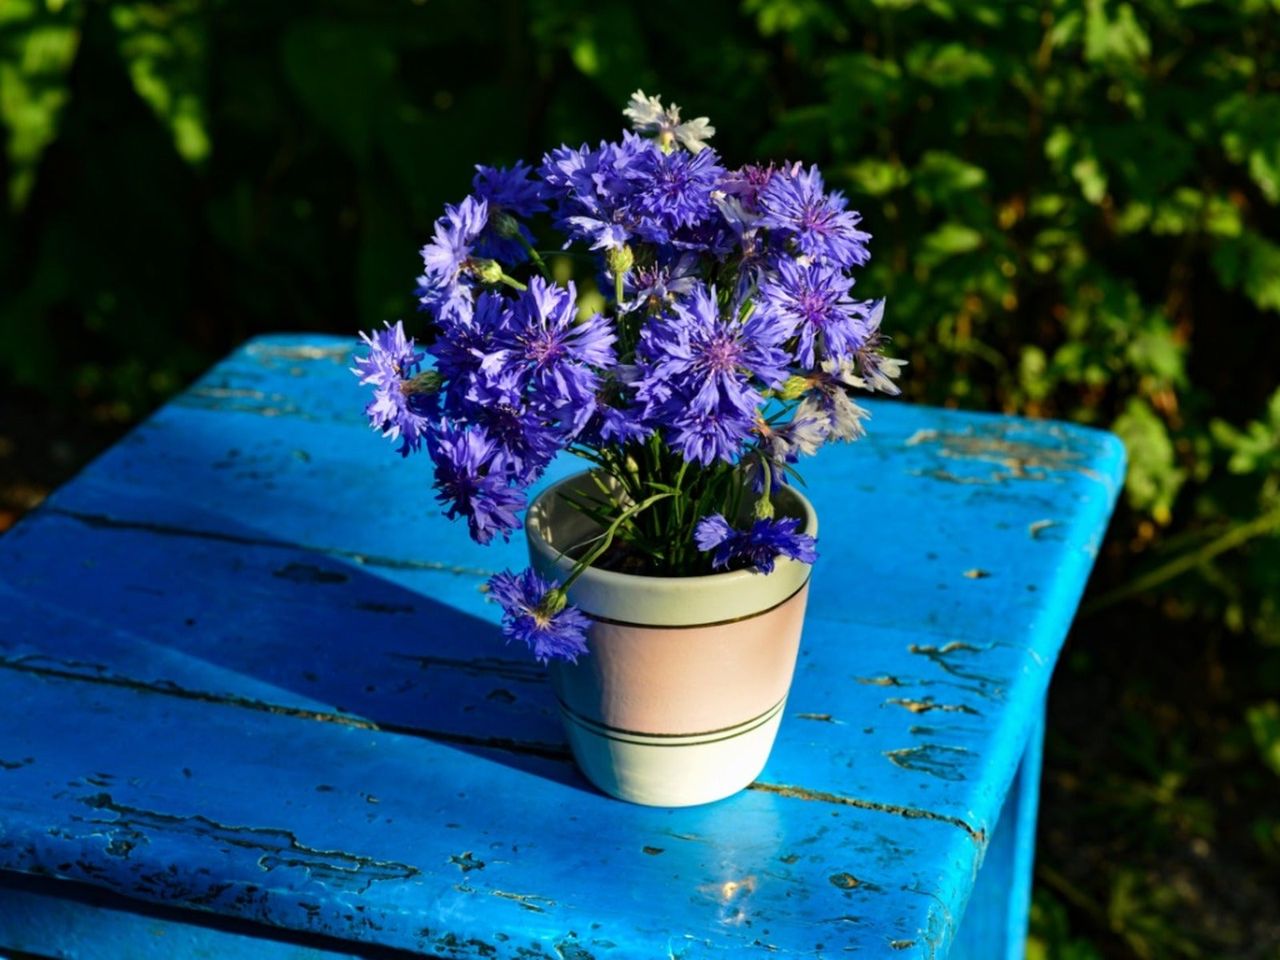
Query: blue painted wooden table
x=253 y=702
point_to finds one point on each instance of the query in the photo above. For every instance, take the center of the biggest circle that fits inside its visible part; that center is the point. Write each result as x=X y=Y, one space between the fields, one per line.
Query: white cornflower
x=647 y=115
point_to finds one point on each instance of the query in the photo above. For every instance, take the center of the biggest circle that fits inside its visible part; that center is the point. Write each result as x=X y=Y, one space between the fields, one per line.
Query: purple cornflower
x=402 y=403
x=756 y=548
x=534 y=613
x=813 y=299
x=546 y=351
x=794 y=203
x=697 y=373
x=746 y=182
x=442 y=289
x=468 y=485
x=672 y=190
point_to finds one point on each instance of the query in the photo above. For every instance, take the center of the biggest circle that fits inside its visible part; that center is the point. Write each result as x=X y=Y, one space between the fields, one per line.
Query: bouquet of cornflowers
x=727 y=348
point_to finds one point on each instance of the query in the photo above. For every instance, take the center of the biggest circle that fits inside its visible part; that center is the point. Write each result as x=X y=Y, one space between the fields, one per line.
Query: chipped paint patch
x=946 y=655
x=819 y=717
x=280 y=848
x=929 y=704
x=845 y=881
x=466 y=861
x=1040 y=526
x=945 y=763
x=301 y=352
x=528 y=901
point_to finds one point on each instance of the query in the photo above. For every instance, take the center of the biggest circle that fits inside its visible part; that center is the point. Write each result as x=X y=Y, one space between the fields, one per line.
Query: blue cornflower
x=794 y=203
x=698 y=370
x=592 y=188
x=756 y=548
x=510 y=193
x=534 y=612
x=468 y=484
x=402 y=404
x=512 y=190
x=443 y=288
x=813 y=299
x=619 y=424
x=546 y=351
x=465 y=339
x=525 y=442
x=671 y=191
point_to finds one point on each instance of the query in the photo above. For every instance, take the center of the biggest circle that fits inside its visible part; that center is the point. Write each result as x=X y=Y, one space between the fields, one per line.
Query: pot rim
x=535 y=538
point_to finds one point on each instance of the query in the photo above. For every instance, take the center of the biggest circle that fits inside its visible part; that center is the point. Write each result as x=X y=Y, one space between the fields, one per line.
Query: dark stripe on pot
x=694 y=626
x=673 y=739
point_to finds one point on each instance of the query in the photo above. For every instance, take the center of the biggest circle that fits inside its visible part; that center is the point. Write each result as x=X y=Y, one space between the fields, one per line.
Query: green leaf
x=949 y=240
x=1091 y=177
x=1251 y=135
x=1264 y=725
x=1251 y=263
x=949 y=64
x=1256 y=448
x=1154 y=478
x=163 y=47
x=942 y=174
x=38 y=43
x=1157 y=352
x=875 y=177
x=1117 y=40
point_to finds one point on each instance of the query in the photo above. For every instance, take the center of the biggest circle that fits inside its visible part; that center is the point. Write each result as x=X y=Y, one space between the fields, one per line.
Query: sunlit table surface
x=254 y=703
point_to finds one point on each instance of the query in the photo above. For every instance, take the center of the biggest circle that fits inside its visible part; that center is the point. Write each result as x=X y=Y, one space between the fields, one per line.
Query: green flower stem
x=534 y=255
x=606 y=540
x=512 y=282
x=1237 y=536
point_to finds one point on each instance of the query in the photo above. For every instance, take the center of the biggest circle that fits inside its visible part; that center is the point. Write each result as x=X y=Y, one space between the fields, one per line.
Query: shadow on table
x=209 y=609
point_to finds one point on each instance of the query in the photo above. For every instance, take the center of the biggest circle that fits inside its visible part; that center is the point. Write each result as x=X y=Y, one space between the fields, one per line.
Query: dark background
x=1075 y=215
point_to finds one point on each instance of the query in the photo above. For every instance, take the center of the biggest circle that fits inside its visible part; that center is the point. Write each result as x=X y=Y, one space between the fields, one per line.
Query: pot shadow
x=203 y=607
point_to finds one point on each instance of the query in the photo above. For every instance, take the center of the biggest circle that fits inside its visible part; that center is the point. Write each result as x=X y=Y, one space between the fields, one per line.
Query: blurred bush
x=1075 y=204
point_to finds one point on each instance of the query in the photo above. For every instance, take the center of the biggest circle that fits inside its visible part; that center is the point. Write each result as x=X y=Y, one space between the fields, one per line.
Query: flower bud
x=428 y=381
x=487 y=271
x=620 y=260
x=764 y=508
x=794 y=388
x=505 y=225
x=553 y=602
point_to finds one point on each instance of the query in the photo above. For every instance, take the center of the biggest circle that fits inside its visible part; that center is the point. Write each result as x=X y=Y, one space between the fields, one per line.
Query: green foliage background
x=1076 y=211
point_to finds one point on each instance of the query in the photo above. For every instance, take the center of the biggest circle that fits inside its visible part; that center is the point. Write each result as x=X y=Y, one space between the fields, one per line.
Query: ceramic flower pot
x=680 y=697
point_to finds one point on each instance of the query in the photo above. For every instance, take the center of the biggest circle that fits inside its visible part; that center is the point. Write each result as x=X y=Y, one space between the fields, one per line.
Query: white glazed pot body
x=680 y=696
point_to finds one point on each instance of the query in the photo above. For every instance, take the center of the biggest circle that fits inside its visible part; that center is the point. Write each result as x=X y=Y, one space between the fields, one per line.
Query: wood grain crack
x=910 y=813
x=104 y=522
